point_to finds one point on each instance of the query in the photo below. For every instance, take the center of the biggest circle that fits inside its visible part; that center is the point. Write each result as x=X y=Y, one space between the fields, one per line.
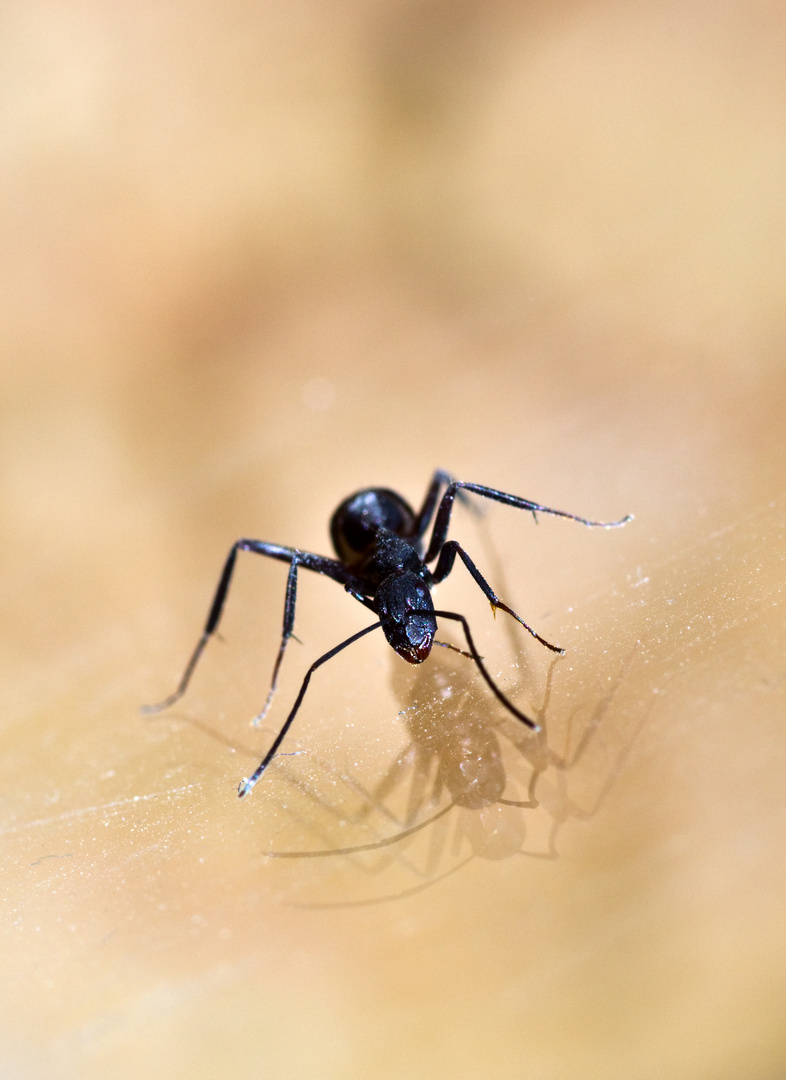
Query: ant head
x=406 y=611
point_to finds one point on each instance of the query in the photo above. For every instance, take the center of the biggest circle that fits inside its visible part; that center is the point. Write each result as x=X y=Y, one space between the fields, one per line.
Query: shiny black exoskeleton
x=376 y=535
x=378 y=539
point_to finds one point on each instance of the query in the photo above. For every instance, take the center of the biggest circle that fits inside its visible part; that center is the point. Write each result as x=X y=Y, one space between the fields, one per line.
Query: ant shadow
x=470 y=781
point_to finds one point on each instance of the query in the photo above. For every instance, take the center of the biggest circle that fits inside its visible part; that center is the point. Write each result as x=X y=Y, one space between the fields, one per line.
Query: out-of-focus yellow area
x=254 y=257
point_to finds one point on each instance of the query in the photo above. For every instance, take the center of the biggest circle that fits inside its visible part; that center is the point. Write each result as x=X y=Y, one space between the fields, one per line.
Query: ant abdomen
x=355 y=525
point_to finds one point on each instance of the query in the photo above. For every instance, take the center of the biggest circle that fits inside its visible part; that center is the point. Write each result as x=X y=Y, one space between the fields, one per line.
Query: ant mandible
x=379 y=540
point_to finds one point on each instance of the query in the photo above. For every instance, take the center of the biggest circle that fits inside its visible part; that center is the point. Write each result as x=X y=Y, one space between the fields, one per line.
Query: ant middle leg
x=289 y=622
x=447 y=557
x=318 y=563
x=290 y=598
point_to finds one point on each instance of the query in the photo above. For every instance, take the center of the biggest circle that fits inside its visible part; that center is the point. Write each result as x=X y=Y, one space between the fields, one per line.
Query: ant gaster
x=379 y=541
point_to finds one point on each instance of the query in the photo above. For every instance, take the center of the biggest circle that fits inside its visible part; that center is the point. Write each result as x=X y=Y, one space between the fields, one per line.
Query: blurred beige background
x=254 y=257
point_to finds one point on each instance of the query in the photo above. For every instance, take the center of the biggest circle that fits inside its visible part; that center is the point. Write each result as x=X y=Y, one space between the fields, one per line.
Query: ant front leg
x=445 y=564
x=318 y=563
x=483 y=671
x=248 y=783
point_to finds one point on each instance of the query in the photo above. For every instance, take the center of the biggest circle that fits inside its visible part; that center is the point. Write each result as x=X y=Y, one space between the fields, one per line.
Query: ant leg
x=427 y=509
x=318 y=563
x=446 y=559
x=289 y=621
x=442 y=522
x=478 y=660
x=248 y=782
x=426 y=513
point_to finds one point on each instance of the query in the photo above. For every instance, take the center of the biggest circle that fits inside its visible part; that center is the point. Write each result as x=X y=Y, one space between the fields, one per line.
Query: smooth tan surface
x=255 y=257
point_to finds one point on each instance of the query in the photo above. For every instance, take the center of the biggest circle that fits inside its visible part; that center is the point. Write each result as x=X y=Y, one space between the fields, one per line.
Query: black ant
x=379 y=539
